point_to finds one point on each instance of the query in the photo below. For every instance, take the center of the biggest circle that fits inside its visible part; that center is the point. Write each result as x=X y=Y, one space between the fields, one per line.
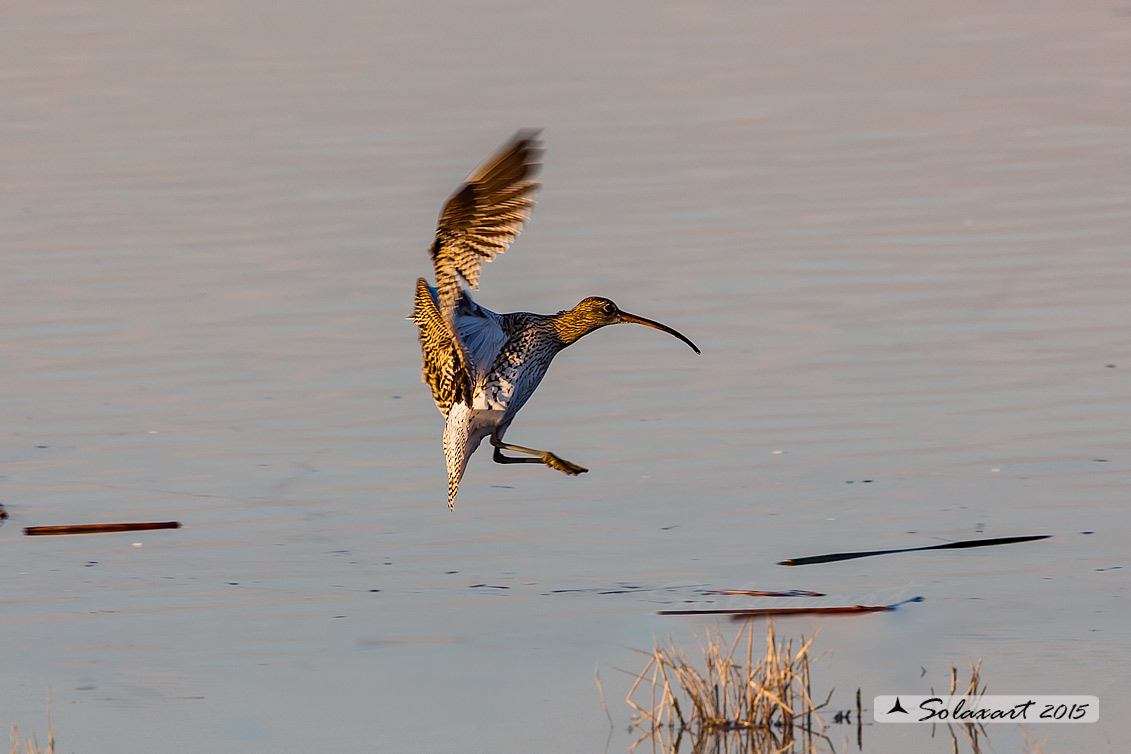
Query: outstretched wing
x=485 y=215
x=479 y=221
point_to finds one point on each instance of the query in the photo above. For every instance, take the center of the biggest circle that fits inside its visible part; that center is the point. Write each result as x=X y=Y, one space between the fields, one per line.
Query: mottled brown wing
x=479 y=221
x=443 y=369
x=485 y=215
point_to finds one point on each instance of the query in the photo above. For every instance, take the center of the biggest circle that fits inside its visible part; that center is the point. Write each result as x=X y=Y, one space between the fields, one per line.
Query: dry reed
x=1032 y=746
x=22 y=745
x=975 y=732
x=765 y=695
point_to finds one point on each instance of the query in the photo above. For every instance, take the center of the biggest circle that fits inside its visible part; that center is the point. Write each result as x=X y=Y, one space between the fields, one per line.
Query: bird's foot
x=563 y=465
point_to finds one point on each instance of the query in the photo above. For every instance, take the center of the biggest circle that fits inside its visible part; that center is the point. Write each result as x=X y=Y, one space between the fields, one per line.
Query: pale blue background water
x=898 y=233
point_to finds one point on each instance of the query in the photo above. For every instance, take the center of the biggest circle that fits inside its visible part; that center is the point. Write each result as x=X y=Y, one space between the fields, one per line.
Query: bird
x=482 y=367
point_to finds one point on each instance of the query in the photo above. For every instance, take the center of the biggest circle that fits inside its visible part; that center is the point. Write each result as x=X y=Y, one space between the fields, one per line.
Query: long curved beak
x=626 y=317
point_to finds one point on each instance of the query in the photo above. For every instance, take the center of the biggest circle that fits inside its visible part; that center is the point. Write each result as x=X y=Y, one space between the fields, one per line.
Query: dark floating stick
x=740 y=613
x=961 y=545
x=38 y=531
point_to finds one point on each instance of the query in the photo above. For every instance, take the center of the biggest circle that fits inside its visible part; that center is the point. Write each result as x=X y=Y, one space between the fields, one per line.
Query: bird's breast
x=514 y=379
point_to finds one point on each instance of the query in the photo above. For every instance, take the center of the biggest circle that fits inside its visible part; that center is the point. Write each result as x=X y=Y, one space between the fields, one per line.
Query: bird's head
x=595 y=312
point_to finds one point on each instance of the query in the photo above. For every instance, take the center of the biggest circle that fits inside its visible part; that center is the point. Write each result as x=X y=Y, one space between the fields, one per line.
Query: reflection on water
x=748 y=741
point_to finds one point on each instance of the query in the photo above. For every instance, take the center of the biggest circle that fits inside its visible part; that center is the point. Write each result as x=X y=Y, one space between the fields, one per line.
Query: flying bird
x=482 y=367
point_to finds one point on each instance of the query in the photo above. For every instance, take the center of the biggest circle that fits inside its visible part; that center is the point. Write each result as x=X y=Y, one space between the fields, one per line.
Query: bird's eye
x=609 y=308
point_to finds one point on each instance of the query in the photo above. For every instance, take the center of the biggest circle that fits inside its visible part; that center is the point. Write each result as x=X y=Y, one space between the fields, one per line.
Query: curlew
x=482 y=367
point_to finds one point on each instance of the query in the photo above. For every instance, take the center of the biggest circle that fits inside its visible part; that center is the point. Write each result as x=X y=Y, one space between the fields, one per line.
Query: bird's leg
x=540 y=456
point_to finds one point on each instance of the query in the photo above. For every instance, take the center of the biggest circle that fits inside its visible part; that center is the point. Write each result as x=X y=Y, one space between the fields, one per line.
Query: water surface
x=898 y=233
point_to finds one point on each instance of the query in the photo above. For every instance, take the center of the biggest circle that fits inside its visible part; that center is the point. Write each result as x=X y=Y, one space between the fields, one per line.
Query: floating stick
x=961 y=545
x=36 y=531
x=775 y=612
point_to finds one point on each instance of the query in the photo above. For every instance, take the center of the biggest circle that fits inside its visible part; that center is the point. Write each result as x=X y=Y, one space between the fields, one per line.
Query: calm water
x=898 y=233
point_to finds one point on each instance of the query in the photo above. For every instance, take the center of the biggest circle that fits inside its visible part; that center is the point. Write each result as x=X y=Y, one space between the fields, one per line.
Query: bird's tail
x=459 y=443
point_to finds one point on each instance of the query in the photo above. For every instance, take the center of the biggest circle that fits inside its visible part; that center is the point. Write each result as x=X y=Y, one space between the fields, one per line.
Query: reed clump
x=734 y=689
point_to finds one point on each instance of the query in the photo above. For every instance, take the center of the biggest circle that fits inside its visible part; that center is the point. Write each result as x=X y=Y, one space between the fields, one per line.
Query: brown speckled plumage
x=482 y=367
